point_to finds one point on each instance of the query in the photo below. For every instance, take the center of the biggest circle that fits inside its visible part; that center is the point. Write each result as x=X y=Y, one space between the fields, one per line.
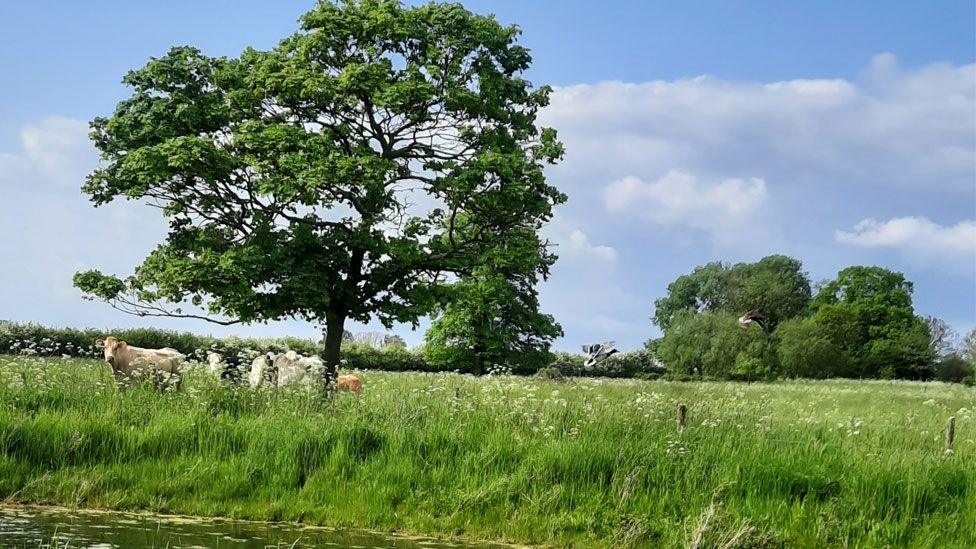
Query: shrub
x=750 y=368
x=903 y=354
x=568 y=364
x=953 y=368
x=550 y=373
x=639 y=363
x=458 y=357
x=391 y=358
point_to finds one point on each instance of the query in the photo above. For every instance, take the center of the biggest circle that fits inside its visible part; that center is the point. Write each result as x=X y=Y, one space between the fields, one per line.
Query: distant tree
x=943 y=337
x=805 y=349
x=841 y=323
x=967 y=349
x=492 y=316
x=776 y=286
x=967 y=352
x=954 y=368
x=371 y=339
x=868 y=312
x=393 y=340
x=868 y=286
x=344 y=174
x=652 y=345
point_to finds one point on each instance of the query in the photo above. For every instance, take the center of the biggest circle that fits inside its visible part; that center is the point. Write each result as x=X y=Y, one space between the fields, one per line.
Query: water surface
x=43 y=527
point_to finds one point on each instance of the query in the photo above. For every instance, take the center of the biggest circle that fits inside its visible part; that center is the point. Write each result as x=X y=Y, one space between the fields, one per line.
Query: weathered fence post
x=950 y=434
x=682 y=415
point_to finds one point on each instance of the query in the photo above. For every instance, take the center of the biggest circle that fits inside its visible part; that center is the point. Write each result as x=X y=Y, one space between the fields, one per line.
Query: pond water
x=42 y=527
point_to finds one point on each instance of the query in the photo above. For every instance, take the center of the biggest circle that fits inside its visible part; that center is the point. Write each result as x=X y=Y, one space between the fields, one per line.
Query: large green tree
x=341 y=175
x=868 y=312
x=775 y=285
x=492 y=316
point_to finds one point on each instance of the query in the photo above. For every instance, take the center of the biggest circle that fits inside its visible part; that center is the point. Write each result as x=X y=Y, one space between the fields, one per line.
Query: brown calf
x=350 y=383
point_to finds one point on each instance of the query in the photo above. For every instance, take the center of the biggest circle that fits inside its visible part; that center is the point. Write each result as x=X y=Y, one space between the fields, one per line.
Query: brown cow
x=131 y=364
x=350 y=383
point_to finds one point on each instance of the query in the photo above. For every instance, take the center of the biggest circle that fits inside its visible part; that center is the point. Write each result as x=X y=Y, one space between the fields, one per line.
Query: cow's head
x=111 y=347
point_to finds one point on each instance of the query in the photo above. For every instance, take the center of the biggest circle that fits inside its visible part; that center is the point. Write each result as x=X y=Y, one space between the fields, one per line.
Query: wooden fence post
x=682 y=415
x=950 y=434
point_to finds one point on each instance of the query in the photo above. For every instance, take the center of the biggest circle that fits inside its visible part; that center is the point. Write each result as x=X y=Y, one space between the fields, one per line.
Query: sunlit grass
x=589 y=461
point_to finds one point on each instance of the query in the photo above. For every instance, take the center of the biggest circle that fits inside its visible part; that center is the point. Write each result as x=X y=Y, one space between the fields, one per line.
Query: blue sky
x=847 y=129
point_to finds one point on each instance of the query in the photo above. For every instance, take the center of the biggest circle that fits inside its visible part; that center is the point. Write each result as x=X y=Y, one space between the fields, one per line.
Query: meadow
x=581 y=462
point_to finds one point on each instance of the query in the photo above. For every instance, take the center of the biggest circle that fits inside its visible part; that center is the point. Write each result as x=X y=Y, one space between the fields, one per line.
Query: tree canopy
x=344 y=174
x=776 y=286
x=869 y=312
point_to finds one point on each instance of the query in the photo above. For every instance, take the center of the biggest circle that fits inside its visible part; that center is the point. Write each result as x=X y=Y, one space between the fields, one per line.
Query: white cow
x=281 y=369
x=295 y=368
x=132 y=364
x=262 y=371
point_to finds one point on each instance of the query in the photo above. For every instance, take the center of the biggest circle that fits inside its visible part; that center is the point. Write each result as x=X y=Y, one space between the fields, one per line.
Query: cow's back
x=290 y=368
x=165 y=359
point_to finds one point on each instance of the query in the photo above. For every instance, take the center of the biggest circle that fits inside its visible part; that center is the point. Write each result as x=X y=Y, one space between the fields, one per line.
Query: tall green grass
x=587 y=462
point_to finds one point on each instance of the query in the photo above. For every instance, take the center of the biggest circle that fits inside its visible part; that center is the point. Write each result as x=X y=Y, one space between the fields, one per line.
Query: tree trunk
x=478 y=368
x=334 y=326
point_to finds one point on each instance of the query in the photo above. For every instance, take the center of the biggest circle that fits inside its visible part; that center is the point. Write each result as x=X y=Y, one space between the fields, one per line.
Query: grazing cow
x=262 y=371
x=281 y=369
x=295 y=368
x=228 y=369
x=131 y=364
x=350 y=383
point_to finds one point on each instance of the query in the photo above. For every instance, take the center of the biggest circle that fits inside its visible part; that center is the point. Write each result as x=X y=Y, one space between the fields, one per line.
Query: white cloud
x=580 y=243
x=916 y=236
x=682 y=199
x=583 y=292
x=59 y=149
x=727 y=212
x=908 y=128
x=49 y=230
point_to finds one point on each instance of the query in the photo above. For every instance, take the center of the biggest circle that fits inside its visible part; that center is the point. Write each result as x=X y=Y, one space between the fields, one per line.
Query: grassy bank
x=589 y=462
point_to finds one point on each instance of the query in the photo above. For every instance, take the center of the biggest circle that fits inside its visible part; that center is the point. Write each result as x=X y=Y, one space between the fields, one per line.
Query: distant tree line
x=862 y=324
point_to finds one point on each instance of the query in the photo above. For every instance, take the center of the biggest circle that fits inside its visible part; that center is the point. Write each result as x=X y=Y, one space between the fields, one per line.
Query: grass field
x=585 y=462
